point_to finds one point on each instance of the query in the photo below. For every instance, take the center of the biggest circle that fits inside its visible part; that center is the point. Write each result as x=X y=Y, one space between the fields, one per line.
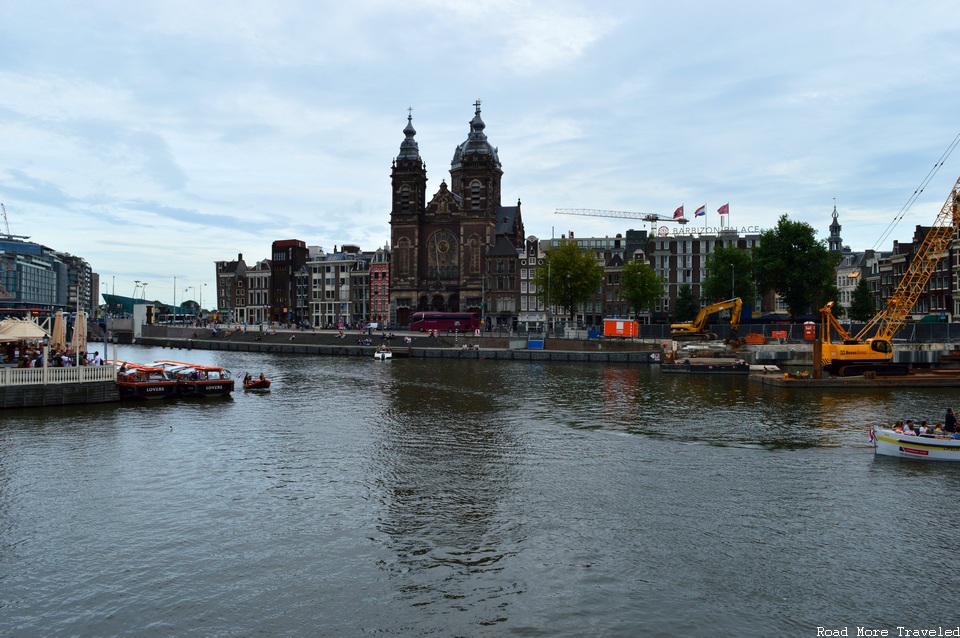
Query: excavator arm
x=697 y=329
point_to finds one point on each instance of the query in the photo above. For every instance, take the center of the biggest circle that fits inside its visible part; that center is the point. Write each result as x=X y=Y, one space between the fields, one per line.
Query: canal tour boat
x=195 y=380
x=383 y=353
x=925 y=448
x=138 y=381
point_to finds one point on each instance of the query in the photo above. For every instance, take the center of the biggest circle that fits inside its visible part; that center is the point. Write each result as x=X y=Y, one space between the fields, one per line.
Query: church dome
x=476 y=144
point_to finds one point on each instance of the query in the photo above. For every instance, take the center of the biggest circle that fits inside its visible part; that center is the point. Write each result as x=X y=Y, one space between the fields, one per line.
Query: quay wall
x=601 y=355
x=51 y=394
x=423 y=348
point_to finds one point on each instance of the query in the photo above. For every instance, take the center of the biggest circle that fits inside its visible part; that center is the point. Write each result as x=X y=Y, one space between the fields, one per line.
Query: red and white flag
x=677 y=214
x=724 y=210
x=701 y=212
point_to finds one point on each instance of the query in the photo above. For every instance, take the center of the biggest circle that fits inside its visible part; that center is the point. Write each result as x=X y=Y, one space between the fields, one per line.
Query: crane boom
x=856 y=354
x=619 y=214
x=931 y=250
x=6 y=223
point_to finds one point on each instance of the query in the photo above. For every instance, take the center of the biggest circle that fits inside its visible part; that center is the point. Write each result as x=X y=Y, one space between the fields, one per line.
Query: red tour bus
x=445 y=321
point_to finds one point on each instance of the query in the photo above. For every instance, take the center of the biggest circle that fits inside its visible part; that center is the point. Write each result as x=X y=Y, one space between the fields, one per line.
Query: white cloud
x=154 y=139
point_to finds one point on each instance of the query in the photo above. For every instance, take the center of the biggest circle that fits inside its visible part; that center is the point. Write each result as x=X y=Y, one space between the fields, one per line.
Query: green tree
x=640 y=285
x=791 y=262
x=685 y=308
x=568 y=277
x=730 y=274
x=862 y=305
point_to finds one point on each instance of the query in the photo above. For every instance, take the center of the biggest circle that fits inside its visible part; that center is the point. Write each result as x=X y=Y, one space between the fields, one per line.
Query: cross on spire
x=477 y=104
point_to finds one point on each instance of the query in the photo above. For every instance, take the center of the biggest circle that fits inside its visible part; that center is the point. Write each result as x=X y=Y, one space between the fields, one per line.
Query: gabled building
x=257 y=287
x=231 y=290
x=288 y=257
x=380 y=287
x=340 y=287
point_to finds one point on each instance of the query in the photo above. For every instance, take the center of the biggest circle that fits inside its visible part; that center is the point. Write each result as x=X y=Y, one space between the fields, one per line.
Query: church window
x=405 y=199
x=403 y=257
x=475 y=195
x=473 y=258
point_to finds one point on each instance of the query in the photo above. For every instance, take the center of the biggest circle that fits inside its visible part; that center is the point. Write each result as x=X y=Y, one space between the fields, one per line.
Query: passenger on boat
x=908 y=429
x=898 y=427
x=246 y=378
x=950 y=422
x=955 y=435
x=262 y=378
x=922 y=430
x=938 y=431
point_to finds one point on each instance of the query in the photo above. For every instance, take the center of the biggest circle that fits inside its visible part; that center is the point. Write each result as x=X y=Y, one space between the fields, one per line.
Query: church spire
x=835 y=243
x=409 y=148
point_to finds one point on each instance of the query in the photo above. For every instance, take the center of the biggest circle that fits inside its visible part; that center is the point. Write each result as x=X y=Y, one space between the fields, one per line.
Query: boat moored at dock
x=194 y=379
x=706 y=365
x=138 y=381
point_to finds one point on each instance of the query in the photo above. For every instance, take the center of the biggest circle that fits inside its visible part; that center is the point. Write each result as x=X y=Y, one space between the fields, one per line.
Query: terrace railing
x=41 y=376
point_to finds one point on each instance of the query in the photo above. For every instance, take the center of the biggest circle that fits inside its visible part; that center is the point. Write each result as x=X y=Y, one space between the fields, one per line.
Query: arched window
x=403 y=257
x=475 y=195
x=405 y=199
x=473 y=255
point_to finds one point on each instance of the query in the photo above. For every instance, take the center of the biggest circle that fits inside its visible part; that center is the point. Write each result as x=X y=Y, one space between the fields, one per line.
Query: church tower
x=409 y=182
x=475 y=171
x=835 y=243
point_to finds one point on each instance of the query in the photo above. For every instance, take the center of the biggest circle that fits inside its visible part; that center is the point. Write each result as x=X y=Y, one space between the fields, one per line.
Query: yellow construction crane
x=853 y=355
x=647 y=217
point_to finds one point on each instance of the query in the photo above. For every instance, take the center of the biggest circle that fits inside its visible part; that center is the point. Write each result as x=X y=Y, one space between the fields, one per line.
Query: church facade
x=458 y=250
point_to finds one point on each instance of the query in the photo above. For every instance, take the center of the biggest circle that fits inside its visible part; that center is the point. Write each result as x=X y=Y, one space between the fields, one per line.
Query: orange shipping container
x=620 y=328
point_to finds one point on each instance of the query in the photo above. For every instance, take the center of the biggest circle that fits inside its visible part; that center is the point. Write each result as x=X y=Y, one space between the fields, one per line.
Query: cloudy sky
x=154 y=139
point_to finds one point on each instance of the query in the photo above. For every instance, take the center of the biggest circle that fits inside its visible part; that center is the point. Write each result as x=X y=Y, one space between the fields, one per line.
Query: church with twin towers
x=455 y=249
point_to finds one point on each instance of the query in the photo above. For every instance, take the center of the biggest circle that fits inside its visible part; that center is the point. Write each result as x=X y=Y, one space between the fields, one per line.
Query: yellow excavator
x=853 y=355
x=697 y=329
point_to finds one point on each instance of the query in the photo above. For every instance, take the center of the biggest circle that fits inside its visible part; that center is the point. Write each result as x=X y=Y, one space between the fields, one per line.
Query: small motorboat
x=262 y=384
x=383 y=353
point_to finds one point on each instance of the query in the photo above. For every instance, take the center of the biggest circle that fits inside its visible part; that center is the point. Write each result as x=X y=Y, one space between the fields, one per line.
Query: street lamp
x=46 y=355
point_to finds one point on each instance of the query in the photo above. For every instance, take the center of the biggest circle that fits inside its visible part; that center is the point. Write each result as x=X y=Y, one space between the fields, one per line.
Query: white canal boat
x=383 y=353
x=905 y=446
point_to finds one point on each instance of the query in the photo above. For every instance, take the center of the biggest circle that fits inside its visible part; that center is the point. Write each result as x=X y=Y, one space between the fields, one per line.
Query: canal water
x=473 y=498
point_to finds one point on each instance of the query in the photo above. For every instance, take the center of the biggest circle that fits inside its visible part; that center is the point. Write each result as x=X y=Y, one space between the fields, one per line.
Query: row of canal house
x=303 y=285
x=308 y=286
